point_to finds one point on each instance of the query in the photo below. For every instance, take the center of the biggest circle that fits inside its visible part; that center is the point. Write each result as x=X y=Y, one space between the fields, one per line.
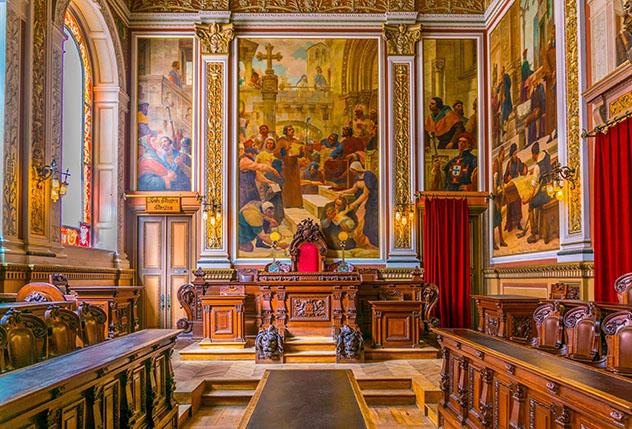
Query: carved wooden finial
x=401 y=39
x=215 y=38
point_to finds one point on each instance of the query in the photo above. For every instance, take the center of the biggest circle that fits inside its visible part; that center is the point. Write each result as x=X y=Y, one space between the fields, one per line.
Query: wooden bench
x=491 y=382
x=28 y=337
x=126 y=382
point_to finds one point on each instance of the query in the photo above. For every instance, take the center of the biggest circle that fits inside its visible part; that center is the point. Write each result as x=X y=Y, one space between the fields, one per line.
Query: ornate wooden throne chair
x=623 y=286
x=308 y=249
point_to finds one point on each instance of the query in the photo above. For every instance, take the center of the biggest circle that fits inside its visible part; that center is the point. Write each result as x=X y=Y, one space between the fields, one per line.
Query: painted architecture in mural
x=164 y=116
x=308 y=143
x=450 y=115
x=523 y=126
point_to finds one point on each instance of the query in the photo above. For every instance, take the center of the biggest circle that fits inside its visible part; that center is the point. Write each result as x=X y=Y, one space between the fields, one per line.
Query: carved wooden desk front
x=506 y=316
x=490 y=382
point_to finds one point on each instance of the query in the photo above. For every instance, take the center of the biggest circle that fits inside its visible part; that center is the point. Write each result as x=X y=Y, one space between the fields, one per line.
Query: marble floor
x=189 y=374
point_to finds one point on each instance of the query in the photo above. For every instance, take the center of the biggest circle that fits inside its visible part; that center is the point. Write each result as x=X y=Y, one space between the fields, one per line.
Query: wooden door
x=164 y=261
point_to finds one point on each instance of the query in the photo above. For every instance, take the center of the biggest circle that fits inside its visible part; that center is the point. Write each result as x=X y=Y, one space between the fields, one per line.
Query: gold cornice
x=311 y=6
x=581 y=270
x=215 y=38
x=401 y=39
x=620 y=105
x=573 y=150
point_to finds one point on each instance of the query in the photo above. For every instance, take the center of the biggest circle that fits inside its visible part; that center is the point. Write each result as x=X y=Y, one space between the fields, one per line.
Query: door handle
x=180 y=271
x=169 y=302
x=162 y=302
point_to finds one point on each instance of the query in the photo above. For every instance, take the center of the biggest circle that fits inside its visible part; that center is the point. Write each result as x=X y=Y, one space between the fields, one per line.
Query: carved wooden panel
x=502 y=404
x=398 y=328
x=106 y=406
x=74 y=415
x=305 y=308
x=222 y=321
x=539 y=415
x=135 y=395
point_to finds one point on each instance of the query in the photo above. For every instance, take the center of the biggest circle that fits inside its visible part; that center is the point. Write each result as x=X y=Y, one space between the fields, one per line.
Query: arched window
x=76 y=204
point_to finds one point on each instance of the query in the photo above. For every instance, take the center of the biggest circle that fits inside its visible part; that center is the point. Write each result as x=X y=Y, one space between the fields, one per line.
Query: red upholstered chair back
x=308 y=249
x=308 y=258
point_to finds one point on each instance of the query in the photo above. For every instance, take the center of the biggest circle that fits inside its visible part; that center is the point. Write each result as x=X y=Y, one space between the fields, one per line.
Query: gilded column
x=575 y=236
x=401 y=45
x=11 y=130
x=37 y=233
x=215 y=40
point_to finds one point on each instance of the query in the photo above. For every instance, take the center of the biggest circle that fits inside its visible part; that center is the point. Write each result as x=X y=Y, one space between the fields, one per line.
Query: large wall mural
x=308 y=143
x=450 y=114
x=164 y=117
x=523 y=124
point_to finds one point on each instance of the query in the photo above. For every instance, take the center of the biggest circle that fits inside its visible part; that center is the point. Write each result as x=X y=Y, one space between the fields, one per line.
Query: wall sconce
x=556 y=180
x=211 y=209
x=404 y=213
x=59 y=180
x=343 y=267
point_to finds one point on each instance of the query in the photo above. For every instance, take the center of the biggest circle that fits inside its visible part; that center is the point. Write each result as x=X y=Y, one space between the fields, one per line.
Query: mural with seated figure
x=308 y=144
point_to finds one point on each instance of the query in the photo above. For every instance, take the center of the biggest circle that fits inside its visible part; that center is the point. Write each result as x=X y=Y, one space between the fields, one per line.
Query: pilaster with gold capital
x=401 y=47
x=215 y=42
x=575 y=242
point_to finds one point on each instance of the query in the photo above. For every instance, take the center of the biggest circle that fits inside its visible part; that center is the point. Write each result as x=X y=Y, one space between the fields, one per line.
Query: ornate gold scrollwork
x=401 y=96
x=215 y=38
x=214 y=142
x=401 y=39
x=572 y=107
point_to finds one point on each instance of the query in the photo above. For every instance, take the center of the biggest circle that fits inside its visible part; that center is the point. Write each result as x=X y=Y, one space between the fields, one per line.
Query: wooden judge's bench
x=393 y=313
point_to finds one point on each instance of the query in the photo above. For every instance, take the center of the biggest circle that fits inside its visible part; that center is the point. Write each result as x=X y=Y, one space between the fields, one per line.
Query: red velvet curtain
x=612 y=208
x=447 y=258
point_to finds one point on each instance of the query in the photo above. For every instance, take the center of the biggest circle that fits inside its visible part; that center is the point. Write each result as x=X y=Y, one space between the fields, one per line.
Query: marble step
x=431 y=410
x=184 y=414
x=227 y=397
x=389 y=396
x=310 y=356
x=384 y=383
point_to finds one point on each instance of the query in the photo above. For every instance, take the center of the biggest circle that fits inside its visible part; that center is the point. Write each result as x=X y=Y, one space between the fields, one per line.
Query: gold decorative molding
x=219 y=274
x=178 y=6
x=620 y=105
x=12 y=125
x=214 y=142
x=401 y=39
x=38 y=132
x=401 y=114
x=215 y=38
x=453 y=6
x=573 y=120
x=583 y=270
x=311 y=6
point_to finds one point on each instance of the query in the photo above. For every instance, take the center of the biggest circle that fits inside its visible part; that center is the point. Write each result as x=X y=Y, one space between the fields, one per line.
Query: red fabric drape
x=613 y=209
x=447 y=258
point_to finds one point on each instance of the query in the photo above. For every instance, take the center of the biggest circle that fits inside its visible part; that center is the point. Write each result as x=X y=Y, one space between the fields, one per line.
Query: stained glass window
x=77 y=136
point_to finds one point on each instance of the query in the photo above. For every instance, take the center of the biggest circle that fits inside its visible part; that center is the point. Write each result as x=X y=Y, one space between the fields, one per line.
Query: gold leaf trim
x=401 y=39
x=403 y=233
x=215 y=38
x=573 y=124
x=214 y=143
